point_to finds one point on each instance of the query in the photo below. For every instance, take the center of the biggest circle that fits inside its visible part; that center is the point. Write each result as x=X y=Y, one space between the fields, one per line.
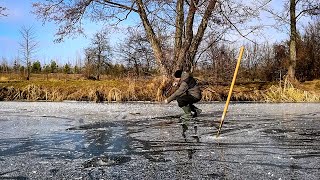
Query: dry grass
x=153 y=89
x=288 y=93
x=3 y=78
x=114 y=95
x=162 y=82
x=209 y=94
x=80 y=90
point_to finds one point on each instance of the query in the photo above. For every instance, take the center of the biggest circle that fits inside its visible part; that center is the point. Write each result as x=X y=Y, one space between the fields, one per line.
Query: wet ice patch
x=106 y=161
x=97 y=141
x=212 y=138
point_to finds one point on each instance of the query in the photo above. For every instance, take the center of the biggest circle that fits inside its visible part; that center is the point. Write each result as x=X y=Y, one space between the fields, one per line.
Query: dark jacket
x=188 y=86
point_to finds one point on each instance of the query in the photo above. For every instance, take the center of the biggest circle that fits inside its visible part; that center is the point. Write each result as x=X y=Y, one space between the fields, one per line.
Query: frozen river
x=79 y=140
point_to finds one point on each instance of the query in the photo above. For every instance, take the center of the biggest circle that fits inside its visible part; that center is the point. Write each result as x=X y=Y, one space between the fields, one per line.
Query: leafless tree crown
x=28 y=46
x=185 y=21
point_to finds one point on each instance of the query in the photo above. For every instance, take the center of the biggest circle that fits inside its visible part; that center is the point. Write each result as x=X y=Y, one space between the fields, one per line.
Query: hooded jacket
x=188 y=86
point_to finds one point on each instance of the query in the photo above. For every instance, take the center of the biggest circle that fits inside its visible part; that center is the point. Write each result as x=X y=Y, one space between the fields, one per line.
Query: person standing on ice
x=186 y=95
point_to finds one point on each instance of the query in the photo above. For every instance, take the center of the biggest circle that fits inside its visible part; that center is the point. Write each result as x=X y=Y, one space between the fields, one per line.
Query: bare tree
x=4 y=65
x=188 y=21
x=89 y=63
x=101 y=51
x=16 y=64
x=293 y=11
x=304 y=7
x=252 y=62
x=136 y=51
x=28 y=46
x=97 y=56
x=308 y=53
x=78 y=65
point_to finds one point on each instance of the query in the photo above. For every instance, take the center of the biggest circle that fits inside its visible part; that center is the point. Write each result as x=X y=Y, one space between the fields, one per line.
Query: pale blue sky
x=20 y=15
x=67 y=51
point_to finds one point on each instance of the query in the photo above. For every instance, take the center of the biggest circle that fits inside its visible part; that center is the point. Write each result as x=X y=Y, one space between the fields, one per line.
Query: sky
x=19 y=14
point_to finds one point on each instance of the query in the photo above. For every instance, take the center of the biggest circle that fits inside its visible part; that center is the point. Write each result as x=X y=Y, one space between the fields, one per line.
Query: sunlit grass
x=288 y=93
x=60 y=89
x=67 y=87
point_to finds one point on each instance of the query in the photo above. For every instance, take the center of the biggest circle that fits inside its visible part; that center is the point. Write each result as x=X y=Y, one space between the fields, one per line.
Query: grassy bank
x=62 y=87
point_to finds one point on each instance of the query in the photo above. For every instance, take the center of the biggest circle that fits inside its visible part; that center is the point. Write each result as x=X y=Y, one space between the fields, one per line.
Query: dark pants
x=187 y=100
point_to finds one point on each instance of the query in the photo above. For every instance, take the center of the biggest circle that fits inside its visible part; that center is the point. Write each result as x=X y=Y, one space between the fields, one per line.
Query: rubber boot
x=196 y=111
x=184 y=129
x=187 y=114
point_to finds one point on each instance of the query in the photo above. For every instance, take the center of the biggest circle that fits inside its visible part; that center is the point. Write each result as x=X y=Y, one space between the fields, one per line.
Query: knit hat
x=178 y=73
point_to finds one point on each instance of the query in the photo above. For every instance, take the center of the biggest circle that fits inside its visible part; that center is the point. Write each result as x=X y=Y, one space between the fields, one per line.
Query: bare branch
x=117 y=5
x=277 y=16
x=122 y=19
x=312 y=10
x=211 y=43
x=202 y=27
x=69 y=15
x=2 y=11
x=154 y=40
x=240 y=33
x=157 y=14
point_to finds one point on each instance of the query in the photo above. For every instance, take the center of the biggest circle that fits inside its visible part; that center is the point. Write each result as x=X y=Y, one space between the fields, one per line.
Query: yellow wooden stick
x=230 y=91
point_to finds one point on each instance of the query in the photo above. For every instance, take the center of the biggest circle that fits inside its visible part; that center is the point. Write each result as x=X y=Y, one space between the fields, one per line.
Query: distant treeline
x=261 y=62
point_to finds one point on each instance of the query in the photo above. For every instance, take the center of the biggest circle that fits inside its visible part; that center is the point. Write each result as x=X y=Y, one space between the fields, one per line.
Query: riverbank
x=150 y=89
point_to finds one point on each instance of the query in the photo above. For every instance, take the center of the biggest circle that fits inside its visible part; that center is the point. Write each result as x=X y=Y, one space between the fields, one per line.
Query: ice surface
x=81 y=140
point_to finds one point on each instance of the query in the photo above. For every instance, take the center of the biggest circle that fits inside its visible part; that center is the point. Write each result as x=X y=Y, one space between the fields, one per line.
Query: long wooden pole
x=230 y=91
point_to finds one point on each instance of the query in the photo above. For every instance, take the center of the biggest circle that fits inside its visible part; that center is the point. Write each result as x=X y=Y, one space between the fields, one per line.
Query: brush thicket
x=288 y=93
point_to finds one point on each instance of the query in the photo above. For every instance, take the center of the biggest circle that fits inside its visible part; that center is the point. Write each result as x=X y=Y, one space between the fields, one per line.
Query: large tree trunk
x=201 y=29
x=155 y=43
x=191 y=43
x=186 y=44
x=179 y=29
x=293 y=38
x=99 y=64
x=28 y=68
x=181 y=61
